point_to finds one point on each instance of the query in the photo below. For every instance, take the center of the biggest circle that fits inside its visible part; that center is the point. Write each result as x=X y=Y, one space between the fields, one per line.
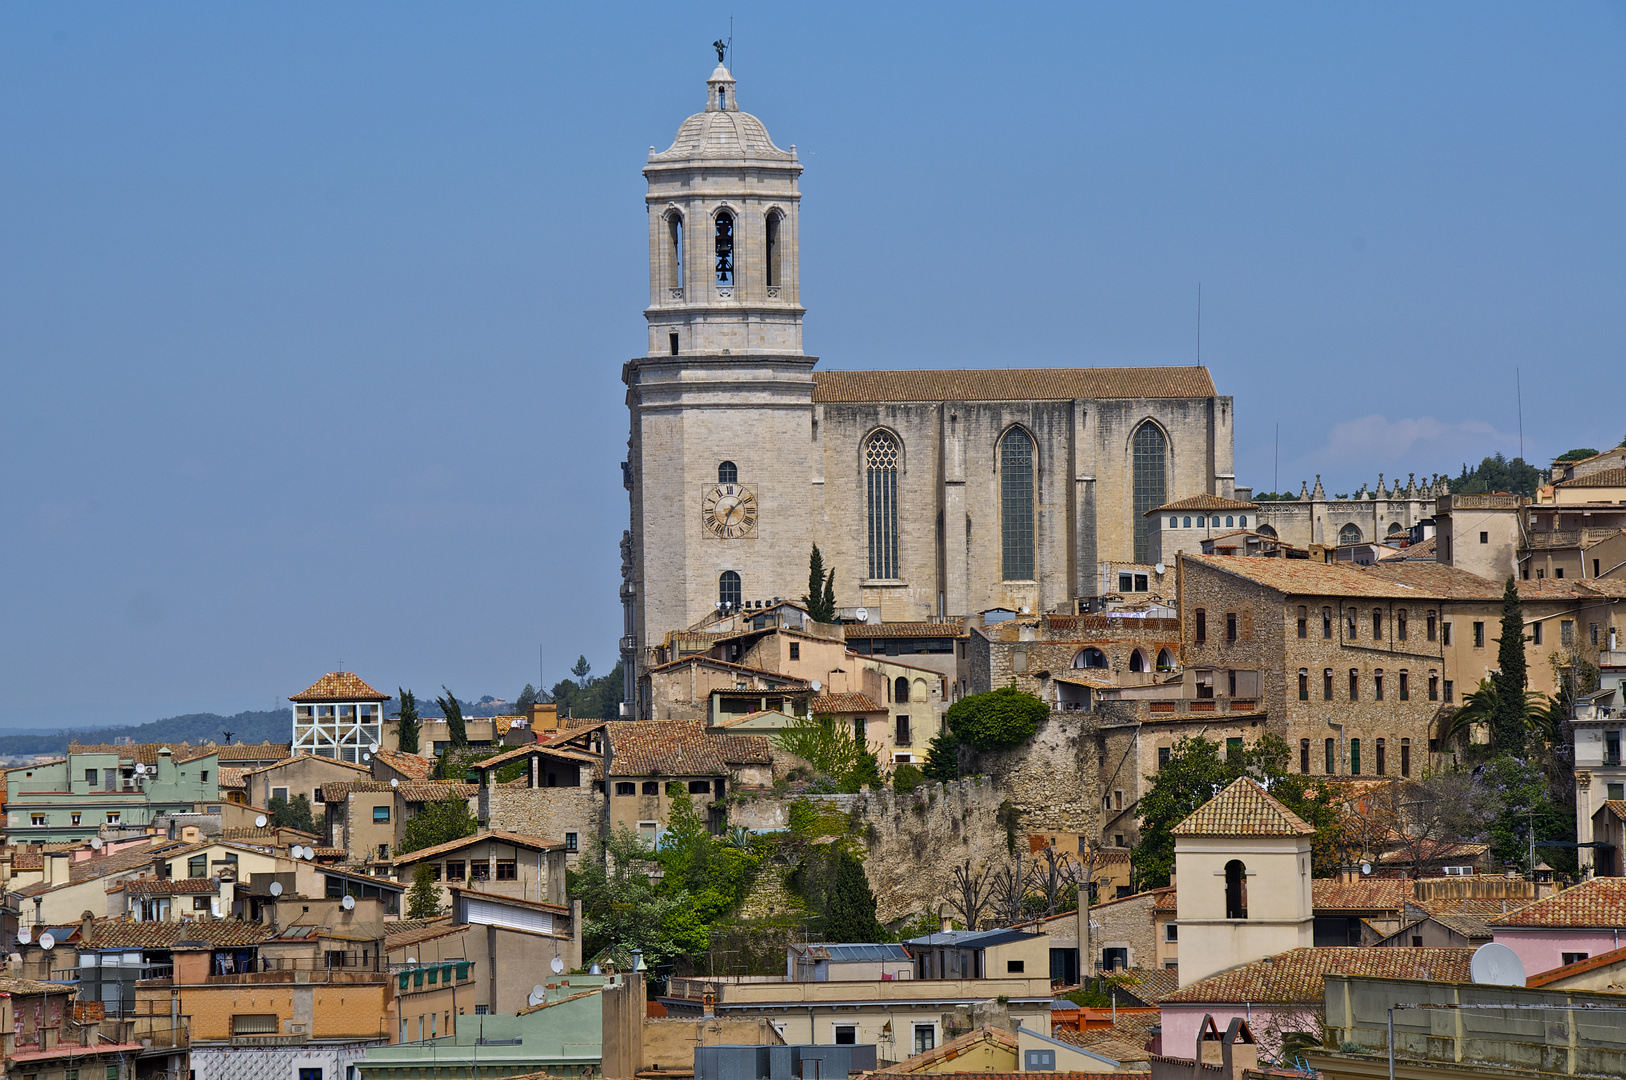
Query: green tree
x=1510 y=715
x=1517 y=792
x=907 y=777
x=294 y=813
x=943 y=757
x=832 y=748
x=594 y=699
x=527 y=698
x=997 y=719
x=456 y=734
x=1197 y=771
x=620 y=905
x=581 y=671
x=423 y=899
x=407 y=727
x=1497 y=473
x=1579 y=454
x=820 y=597
x=851 y=915
x=438 y=822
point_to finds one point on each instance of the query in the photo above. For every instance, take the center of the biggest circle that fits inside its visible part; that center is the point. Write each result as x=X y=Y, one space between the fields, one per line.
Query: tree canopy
x=1579 y=454
x=408 y=727
x=456 y=733
x=437 y=823
x=1497 y=473
x=294 y=813
x=1511 y=709
x=423 y=899
x=1196 y=772
x=832 y=748
x=992 y=721
x=591 y=699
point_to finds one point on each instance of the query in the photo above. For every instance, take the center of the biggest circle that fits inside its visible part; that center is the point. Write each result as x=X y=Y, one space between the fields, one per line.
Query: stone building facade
x=932 y=494
x=1383 y=513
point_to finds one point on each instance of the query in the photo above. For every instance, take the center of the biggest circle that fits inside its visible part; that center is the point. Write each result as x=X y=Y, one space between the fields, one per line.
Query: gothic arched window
x=881 y=469
x=728 y=590
x=771 y=235
x=1349 y=534
x=1149 y=458
x=725 y=248
x=1016 y=504
x=1137 y=661
x=728 y=473
x=1165 y=660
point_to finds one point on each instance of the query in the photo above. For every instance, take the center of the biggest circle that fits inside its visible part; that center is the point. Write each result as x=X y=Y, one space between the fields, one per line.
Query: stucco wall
x=1543 y=950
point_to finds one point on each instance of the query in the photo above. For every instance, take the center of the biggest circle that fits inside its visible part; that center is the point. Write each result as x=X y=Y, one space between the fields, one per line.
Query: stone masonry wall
x=545 y=812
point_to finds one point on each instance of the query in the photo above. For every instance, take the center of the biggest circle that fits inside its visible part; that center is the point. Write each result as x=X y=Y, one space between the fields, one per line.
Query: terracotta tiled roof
x=581 y=757
x=1434 y=851
x=1481 y=907
x=1013 y=384
x=436 y=790
x=330 y=852
x=118 y=934
x=783 y=681
x=232 y=778
x=1601 y=478
x=145 y=753
x=1466 y=925
x=1151 y=985
x=1580 y=967
x=265 y=751
x=1295 y=976
x=1168 y=899
x=167 y=886
x=274 y=833
x=837 y=704
x=1600 y=902
x=339 y=686
x=298 y=758
x=534 y=843
x=1380 y=894
x=1135 y=1029
x=1305 y=577
x=399 y=939
x=418 y=768
x=924 y=1062
x=19 y=987
x=127 y=859
x=1243 y=809
x=854 y=631
x=1612 y=806
x=1203 y=502
x=678 y=748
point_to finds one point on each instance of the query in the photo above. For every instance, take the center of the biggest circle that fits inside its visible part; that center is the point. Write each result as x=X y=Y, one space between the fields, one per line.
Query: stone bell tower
x=720 y=453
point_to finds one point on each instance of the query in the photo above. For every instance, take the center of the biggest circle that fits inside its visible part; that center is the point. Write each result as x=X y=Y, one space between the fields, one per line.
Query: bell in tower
x=723 y=208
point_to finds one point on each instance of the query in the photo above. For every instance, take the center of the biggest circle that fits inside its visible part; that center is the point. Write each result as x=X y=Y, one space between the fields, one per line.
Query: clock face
x=729 y=512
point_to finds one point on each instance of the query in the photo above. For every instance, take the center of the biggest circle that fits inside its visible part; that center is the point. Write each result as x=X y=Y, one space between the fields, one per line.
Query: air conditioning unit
x=1459 y=871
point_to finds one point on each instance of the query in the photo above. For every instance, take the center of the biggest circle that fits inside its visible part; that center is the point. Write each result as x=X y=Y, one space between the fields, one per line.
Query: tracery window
x=1349 y=534
x=881 y=461
x=1149 y=454
x=725 y=248
x=728 y=590
x=1016 y=504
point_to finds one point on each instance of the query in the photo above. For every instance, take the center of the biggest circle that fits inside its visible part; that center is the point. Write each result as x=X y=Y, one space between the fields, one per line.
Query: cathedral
x=931 y=494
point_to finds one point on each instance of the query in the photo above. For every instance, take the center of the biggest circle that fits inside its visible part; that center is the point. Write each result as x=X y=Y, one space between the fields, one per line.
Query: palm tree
x=1477 y=707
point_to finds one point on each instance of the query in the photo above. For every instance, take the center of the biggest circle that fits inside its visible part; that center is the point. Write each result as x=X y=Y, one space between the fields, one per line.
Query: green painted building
x=74 y=797
x=563 y=1035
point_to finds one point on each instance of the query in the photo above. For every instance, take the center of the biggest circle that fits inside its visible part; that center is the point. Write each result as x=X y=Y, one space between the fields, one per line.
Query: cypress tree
x=456 y=734
x=1508 y=718
x=851 y=914
x=821 y=589
x=407 y=727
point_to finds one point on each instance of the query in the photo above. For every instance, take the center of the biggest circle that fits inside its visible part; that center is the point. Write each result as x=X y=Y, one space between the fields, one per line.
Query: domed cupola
x=722 y=131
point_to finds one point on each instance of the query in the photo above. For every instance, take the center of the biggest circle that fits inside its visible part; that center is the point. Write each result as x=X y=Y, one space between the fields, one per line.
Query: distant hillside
x=274 y=725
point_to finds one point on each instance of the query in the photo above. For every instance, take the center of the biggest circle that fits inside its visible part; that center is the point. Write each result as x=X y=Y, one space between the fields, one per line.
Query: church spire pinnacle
x=720 y=90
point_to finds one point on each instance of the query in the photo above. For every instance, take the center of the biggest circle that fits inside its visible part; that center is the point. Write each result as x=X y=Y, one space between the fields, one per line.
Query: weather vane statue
x=722 y=47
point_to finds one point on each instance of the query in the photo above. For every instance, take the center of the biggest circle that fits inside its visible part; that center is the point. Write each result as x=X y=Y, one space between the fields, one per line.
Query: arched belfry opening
x=1236 y=890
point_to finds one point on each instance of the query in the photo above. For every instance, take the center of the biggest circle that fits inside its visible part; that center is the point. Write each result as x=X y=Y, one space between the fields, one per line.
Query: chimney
x=86 y=921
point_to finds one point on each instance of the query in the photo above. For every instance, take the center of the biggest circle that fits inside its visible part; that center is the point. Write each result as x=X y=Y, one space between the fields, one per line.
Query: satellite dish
x=817 y=686
x=862 y=614
x=412 y=959
x=538 y=995
x=1160 y=568
x=1025 y=609
x=348 y=903
x=276 y=888
x=95 y=843
x=557 y=965
x=140 y=770
x=395 y=782
x=366 y=755
x=305 y=853
x=1366 y=868
x=25 y=935
x=1496 y=965
x=47 y=942
x=259 y=822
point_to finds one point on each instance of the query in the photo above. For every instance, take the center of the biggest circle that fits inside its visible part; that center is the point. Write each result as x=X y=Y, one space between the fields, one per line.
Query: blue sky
x=312 y=316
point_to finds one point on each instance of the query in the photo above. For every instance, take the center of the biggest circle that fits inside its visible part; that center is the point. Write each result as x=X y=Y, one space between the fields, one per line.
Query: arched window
x=1174 y=523
x=1394 y=527
x=1227 y=522
x=1090 y=658
x=881 y=468
x=771 y=235
x=728 y=473
x=1349 y=534
x=1165 y=660
x=1242 y=521
x=1236 y=890
x=900 y=689
x=1149 y=457
x=1137 y=661
x=1264 y=530
x=674 y=252
x=1016 y=505
x=1188 y=522
x=1304 y=684
x=728 y=590
x=724 y=247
